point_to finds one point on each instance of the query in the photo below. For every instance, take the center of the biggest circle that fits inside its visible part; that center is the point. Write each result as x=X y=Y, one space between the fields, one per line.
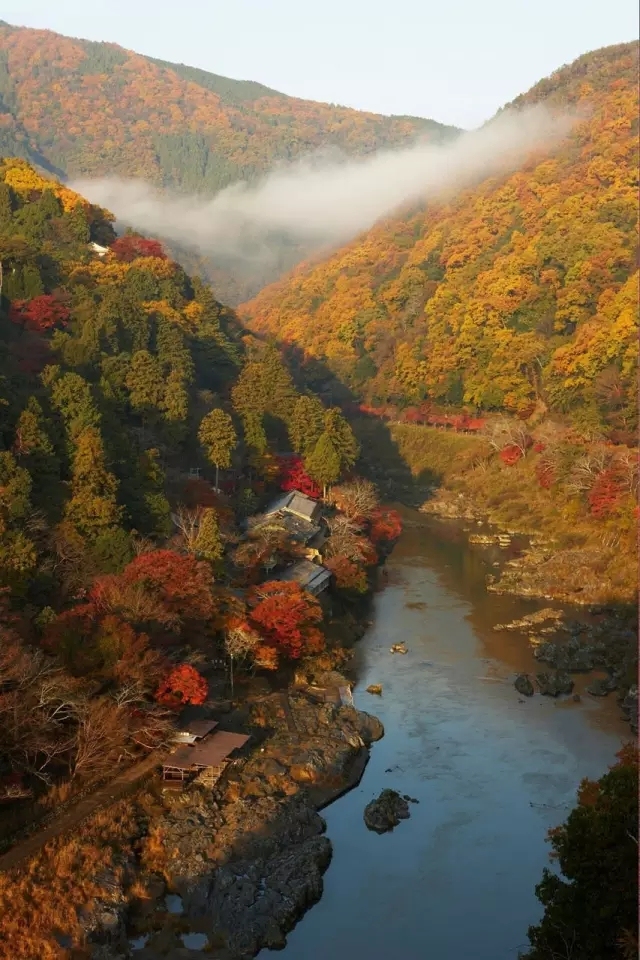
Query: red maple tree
x=348 y=574
x=182 y=685
x=293 y=476
x=40 y=314
x=606 y=493
x=285 y=615
x=510 y=455
x=159 y=587
x=131 y=246
x=385 y=525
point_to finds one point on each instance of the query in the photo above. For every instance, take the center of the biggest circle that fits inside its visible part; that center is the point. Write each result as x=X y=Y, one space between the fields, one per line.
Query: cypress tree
x=93 y=506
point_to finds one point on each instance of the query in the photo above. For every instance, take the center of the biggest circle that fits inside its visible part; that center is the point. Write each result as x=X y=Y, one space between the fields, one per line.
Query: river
x=492 y=771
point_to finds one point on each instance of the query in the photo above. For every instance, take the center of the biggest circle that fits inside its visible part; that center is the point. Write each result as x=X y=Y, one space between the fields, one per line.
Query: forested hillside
x=78 y=108
x=517 y=295
x=138 y=429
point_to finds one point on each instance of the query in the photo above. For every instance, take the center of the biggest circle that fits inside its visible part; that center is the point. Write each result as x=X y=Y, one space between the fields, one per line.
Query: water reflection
x=492 y=771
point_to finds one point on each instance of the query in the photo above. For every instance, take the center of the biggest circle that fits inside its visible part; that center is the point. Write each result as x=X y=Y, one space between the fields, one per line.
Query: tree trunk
x=217 y=475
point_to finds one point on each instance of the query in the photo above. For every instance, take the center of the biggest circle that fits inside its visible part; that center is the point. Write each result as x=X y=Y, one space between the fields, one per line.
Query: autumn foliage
x=606 y=493
x=132 y=246
x=482 y=300
x=385 y=525
x=348 y=574
x=182 y=685
x=510 y=455
x=293 y=476
x=163 y=585
x=287 y=617
x=40 y=314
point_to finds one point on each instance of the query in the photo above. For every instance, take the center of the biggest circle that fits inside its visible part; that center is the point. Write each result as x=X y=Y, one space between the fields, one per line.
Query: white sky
x=455 y=61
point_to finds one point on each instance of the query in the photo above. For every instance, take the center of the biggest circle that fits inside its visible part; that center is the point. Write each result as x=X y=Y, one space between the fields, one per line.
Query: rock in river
x=375 y=688
x=523 y=685
x=601 y=686
x=386 y=811
x=555 y=683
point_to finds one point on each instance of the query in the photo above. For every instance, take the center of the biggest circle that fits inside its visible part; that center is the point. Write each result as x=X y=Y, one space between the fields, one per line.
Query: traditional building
x=312 y=577
x=203 y=758
x=298 y=515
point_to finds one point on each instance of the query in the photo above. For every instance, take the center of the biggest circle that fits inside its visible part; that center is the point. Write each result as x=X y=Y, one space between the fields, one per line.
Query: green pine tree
x=306 y=424
x=71 y=396
x=323 y=463
x=93 y=506
x=208 y=543
x=218 y=437
x=145 y=384
x=35 y=451
x=342 y=437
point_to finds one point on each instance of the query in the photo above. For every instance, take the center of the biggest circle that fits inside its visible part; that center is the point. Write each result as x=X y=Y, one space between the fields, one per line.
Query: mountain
x=81 y=109
x=520 y=293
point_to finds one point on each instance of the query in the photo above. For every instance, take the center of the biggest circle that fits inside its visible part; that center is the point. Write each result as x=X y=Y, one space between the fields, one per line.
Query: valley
x=289 y=519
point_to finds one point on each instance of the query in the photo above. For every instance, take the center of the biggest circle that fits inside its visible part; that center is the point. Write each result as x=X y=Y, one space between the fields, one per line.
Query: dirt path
x=117 y=788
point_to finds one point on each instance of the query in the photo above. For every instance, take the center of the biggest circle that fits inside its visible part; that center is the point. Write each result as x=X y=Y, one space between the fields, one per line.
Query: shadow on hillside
x=380 y=458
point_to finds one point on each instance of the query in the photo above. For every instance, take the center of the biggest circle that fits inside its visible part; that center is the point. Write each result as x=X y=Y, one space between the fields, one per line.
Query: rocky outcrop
x=256 y=898
x=602 y=686
x=575 y=655
x=531 y=620
x=523 y=685
x=248 y=859
x=386 y=811
x=554 y=684
x=450 y=506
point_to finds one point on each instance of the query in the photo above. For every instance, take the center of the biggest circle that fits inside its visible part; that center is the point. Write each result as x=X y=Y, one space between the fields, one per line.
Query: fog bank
x=321 y=203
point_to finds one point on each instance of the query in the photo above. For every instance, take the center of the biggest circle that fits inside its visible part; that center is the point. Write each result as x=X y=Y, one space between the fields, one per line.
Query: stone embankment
x=247 y=858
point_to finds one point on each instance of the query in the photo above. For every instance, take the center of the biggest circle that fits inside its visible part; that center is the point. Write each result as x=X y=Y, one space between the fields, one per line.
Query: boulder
x=369 y=727
x=399 y=648
x=386 y=811
x=523 y=685
x=375 y=688
x=574 y=655
x=601 y=686
x=554 y=684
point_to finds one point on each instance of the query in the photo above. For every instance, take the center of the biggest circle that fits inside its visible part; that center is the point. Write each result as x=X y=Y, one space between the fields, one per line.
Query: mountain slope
x=91 y=109
x=517 y=293
x=76 y=108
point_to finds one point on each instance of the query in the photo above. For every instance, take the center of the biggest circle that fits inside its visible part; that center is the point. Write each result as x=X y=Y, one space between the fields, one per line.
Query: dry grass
x=46 y=898
x=153 y=856
x=512 y=498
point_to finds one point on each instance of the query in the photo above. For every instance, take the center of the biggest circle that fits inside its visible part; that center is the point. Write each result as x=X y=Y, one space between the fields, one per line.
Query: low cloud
x=318 y=203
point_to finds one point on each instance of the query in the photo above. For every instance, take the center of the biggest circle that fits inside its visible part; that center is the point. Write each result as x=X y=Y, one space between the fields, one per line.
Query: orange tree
x=286 y=616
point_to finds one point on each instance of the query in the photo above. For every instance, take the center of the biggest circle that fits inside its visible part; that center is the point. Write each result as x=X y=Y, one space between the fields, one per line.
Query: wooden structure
x=312 y=577
x=205 y=759
x=195 y=731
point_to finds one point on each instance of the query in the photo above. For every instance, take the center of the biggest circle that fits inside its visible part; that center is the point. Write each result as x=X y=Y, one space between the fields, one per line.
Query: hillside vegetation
x=83 y=109
x=519 y=295
x=138 y=430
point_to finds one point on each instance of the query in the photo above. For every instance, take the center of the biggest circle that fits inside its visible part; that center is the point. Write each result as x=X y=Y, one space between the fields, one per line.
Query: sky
x=455 y=61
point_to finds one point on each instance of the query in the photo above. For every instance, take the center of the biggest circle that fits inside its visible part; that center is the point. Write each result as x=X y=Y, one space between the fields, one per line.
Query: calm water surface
x=492 y=771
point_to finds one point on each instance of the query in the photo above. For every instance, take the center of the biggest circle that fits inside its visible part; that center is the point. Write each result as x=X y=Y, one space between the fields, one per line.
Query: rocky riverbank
x=246 y=858
x=607 y=643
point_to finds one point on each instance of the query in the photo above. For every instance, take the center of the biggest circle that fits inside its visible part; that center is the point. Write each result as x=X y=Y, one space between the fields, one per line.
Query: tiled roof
x=306 y=573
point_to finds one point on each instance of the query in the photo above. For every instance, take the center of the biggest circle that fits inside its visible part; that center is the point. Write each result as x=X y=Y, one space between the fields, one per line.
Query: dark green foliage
x=591 y=908
x=101 y=57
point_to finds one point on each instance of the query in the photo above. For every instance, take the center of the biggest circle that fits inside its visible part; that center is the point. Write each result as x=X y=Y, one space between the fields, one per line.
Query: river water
x=491 y=770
